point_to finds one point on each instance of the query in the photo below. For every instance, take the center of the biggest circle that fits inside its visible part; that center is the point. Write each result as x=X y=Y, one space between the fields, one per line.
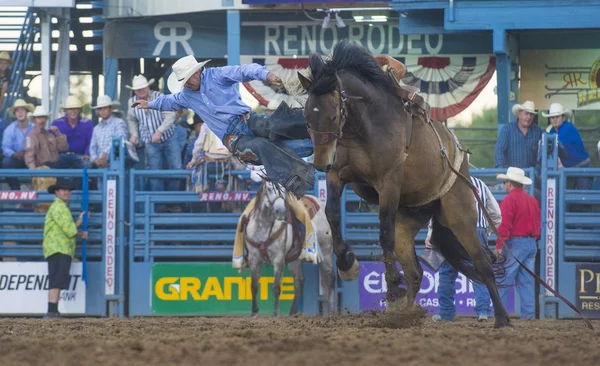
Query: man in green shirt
x=59 y=242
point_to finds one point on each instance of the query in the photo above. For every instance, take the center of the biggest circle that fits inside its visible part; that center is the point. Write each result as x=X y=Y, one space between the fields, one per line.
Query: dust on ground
x=360 y=339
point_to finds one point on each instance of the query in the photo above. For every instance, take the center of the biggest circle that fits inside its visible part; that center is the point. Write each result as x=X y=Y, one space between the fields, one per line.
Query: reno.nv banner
x=372 y=289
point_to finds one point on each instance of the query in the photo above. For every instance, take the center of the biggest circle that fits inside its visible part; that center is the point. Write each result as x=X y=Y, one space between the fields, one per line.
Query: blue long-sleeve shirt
x=515 y=149
x=218 y=101
x=13 y=139
x=569 y=138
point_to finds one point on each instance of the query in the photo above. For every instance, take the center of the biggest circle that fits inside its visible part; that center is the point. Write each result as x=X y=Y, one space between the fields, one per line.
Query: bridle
x=322 y=138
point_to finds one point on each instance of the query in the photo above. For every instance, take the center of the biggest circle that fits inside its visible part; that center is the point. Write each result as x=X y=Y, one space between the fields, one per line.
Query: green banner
x=214 y=289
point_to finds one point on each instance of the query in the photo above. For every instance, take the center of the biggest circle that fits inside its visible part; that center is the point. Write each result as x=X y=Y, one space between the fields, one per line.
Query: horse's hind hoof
x=352 y=273
x=502 y=322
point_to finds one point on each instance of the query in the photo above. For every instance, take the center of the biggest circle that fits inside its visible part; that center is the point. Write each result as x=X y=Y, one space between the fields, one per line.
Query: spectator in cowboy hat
x=518 y=141
x=520 y=228
x=156 y=130
x=42 y=146
x=59 y=242
x=78 y=130
x=108 y=128
x=5 y=63
x=575 y=155
x=13 y=140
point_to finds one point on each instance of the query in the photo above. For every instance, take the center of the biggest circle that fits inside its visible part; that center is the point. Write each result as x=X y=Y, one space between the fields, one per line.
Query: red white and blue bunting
x=448 y=83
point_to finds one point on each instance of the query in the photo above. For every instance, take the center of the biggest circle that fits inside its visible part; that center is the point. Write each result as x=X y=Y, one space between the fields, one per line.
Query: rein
x=495 y=230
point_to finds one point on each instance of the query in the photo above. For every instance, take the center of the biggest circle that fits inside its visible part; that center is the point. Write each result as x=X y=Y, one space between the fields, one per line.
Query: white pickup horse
x=269 y=237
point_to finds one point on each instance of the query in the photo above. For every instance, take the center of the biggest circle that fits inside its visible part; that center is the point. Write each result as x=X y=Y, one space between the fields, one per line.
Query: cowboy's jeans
x=169 y=151
x=524 y=249
x=447 y=289
x=254 y=143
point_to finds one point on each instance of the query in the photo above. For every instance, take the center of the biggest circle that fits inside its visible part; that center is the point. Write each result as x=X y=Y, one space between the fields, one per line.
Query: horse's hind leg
x=458 y=214
x=408 y=225
x=278 y=267
x=255 y=265
x=298 y=275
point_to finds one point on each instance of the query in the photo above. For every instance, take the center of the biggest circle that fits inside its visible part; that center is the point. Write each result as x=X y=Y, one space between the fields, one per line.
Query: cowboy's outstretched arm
x=171 y=102
x=230 y=75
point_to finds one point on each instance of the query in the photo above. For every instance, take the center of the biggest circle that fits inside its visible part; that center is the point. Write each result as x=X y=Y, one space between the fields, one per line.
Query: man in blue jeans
x=520 y=228
x=448 y=274
x=157 y=131
x=277 y=141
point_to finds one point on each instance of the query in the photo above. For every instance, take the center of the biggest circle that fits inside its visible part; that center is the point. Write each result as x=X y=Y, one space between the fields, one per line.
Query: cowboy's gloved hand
x=272 y=79
x=140 y=103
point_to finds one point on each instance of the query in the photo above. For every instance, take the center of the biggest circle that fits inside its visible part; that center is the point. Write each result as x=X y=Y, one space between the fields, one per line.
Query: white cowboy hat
x=139 y=82
x=20 y=103
x=556 y=109
x=515 y=175
x=105 y=101
x=6 y=56
x=183 y=69
x=72 y=102
x=527 y=106
x=39 y=111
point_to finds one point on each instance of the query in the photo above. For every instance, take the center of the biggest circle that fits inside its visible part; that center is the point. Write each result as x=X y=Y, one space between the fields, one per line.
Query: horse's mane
x=350 y=57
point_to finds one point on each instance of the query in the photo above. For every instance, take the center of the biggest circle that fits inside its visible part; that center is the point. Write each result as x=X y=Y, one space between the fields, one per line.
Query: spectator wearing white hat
x=78 y=130
x=109 y=127
x=156 y=130
x=5 y=62
x=520 y=228
x=13 y=140
x=42 y=147
x=517 y=142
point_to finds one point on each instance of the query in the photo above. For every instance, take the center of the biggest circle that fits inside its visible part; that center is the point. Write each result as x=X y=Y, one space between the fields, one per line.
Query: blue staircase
x=21 y=58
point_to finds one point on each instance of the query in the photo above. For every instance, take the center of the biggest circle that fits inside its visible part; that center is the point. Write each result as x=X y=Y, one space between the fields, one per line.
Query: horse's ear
x=304 y=81
x=316 y=64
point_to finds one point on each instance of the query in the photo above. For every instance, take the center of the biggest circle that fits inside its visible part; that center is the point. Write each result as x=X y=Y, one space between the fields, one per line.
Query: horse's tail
x=444 y=240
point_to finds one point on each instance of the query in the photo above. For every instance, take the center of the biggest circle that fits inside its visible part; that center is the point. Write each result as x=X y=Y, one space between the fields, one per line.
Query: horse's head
x=271 y=200
x=324 y=113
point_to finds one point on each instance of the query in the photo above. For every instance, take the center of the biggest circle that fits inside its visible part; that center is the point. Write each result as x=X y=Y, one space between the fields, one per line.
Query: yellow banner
x=568 y=77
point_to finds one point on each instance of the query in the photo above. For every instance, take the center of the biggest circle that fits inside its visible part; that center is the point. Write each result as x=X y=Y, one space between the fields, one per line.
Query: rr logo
x=172 y=37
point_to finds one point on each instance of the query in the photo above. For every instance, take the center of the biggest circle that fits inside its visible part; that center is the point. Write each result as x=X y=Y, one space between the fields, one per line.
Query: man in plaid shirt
x=109 y=127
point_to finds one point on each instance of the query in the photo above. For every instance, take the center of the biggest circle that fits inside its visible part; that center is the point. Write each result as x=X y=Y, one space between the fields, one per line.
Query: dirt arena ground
x=365 y=339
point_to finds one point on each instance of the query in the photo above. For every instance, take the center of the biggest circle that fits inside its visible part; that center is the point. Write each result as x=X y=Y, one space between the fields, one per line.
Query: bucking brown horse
x=371 y=133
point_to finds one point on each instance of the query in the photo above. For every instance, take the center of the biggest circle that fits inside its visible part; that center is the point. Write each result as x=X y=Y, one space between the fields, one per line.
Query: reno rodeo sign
x=207 y=38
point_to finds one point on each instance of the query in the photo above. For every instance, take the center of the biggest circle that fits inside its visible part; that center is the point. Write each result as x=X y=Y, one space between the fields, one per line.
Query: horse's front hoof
x=399 y=305
x=352 y=273
x=502 y=322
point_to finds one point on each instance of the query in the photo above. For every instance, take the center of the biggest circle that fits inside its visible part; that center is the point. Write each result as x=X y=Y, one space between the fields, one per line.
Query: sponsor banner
x=24 y=289
x=18 y=195
x=588 y=288
x=550 y=238
x=372 y=289
x=225 y=196
x=214 y=289
x=109 y=237
x=568 y=77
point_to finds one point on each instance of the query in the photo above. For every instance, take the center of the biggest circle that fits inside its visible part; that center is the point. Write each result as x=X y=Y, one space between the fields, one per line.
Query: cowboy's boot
x=283 y=166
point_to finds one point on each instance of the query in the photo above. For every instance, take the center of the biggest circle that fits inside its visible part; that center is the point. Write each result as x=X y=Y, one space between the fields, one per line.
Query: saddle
x=414 y=104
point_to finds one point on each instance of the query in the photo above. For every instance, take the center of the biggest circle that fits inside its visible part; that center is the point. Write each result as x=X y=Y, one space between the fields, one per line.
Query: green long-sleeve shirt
x=59 y=230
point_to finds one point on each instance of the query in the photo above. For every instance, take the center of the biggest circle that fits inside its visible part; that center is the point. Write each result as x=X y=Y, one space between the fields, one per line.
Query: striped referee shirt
x=489 y=202
x=148 y=121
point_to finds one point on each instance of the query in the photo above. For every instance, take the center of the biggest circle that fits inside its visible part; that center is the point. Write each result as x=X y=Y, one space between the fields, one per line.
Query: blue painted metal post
x=233 y=37
x=111 y=69
x=84 y=208
x=503 y=67
x=549 y=151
